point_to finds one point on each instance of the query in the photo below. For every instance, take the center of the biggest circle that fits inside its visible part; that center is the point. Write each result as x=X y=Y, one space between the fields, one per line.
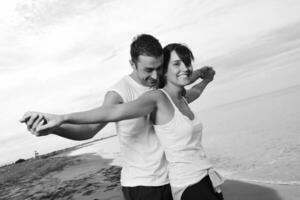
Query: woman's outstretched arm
x=138 y=108
x=144 y=105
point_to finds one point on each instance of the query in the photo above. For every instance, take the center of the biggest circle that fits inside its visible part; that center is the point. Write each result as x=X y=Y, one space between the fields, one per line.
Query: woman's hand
x=41 y=124
x=52 y=122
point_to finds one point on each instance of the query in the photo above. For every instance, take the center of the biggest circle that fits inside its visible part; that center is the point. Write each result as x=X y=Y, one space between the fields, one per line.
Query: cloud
x=274 y=43
x=48 y=12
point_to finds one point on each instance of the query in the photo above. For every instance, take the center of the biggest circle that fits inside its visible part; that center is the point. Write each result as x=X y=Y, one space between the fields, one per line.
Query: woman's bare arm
x=144 y=105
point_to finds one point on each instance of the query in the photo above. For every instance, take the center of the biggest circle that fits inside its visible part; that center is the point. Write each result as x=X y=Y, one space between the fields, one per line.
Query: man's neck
x=136 y=79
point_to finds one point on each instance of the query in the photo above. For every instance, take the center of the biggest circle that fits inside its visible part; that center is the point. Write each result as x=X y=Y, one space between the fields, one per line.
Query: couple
x=160 y=137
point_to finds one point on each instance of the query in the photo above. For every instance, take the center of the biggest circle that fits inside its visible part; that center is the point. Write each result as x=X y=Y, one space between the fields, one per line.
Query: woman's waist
x=187 y=168
x=182 y=155
x=185 y=176
x=185 y=165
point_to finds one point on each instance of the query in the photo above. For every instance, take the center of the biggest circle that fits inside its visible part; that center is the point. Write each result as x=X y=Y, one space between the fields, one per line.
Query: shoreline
x=91 y=176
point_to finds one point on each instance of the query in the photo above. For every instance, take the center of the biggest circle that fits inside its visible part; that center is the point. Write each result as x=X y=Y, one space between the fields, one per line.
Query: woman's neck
x=174 y=91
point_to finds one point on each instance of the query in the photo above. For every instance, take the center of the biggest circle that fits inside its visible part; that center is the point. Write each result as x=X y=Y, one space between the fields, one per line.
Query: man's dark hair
x=183 y=52
x=146 y=45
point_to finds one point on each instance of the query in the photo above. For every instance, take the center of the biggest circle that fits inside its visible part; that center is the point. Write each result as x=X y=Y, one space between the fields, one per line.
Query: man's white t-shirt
x=144 y=162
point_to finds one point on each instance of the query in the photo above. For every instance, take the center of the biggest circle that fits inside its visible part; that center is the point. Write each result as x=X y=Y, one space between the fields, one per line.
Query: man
x=144 y=171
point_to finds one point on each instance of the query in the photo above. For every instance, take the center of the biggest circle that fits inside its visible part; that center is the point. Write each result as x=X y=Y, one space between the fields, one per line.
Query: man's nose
x=154 y=75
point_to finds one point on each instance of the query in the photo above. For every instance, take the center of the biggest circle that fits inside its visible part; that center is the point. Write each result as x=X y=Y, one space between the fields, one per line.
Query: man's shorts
x=148 y=192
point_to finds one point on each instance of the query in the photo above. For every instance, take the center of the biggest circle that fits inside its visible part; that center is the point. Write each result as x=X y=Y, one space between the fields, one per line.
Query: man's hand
x=205 y=72
x=200 y=72
x=208 y=73
x=41 y=124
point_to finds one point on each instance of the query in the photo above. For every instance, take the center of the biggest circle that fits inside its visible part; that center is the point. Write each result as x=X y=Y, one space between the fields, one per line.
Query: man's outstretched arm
x=69 y=131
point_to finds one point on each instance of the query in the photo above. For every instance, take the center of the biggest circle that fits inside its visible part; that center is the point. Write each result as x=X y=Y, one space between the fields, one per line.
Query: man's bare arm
x=69 y=131
x=78 y=132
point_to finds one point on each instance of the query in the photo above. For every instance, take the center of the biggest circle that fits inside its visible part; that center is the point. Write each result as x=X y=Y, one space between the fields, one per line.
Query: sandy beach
x=59 y=176
x=89 y=176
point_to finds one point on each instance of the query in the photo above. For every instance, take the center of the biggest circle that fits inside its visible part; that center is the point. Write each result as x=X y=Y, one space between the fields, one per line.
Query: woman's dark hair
x=183 y=52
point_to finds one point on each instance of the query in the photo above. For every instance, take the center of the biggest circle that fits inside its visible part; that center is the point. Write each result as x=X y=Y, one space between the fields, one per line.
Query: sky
x=61 y=55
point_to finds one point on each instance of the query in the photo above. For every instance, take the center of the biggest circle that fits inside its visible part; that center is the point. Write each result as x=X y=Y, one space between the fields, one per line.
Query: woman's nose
x=184 y=68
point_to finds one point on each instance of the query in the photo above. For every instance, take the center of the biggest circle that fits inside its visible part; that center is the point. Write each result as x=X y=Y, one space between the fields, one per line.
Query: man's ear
x=133 y=65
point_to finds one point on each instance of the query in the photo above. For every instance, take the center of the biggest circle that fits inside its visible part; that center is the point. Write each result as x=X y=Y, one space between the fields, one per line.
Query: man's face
x=147 y=68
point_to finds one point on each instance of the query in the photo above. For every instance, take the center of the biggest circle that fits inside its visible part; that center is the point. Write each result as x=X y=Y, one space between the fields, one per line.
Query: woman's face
x=178 y=73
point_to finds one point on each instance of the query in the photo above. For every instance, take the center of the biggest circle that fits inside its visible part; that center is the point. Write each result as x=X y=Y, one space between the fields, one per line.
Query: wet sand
x=87 y=176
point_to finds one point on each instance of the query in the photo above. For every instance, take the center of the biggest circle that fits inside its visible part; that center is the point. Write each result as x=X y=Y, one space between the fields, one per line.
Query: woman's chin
x=184 y=82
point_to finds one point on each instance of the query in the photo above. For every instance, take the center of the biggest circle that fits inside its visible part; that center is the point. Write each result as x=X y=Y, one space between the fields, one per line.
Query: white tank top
x=181 y=140
x=144 y=162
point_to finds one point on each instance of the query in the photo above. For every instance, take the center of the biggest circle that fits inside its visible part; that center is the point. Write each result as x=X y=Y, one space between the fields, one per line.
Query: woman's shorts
x=202 y=190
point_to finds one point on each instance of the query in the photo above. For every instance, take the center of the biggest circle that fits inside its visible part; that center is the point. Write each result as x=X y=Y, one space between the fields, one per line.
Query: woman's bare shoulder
x=155 y=94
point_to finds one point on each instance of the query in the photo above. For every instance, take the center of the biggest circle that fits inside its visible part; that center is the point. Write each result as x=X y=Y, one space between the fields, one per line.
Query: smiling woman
x=177 y=56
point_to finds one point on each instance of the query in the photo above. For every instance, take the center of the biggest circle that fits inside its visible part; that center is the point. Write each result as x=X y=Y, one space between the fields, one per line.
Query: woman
x=178 y=129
